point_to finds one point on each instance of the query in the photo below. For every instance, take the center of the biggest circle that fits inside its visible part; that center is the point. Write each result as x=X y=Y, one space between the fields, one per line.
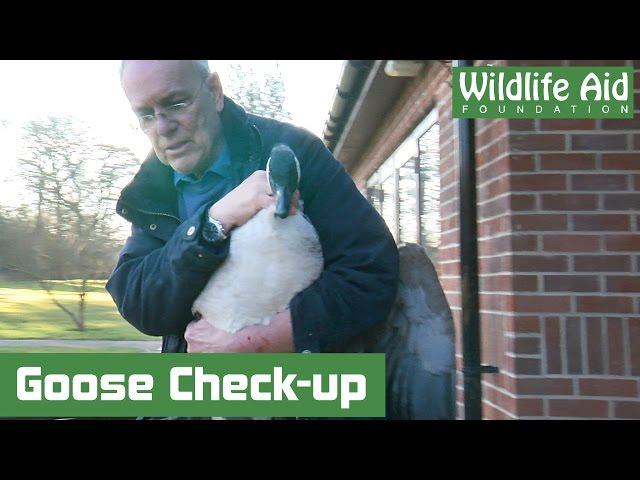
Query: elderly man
x=204 y=178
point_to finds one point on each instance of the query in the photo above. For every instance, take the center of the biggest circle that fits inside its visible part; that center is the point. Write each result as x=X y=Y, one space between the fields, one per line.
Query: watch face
x=211 y=233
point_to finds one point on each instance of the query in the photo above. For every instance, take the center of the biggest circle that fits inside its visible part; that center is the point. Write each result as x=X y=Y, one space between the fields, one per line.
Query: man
x=206 y=177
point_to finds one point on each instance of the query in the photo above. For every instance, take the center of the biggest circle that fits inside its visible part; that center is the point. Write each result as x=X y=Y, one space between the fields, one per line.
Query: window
x=405 y=190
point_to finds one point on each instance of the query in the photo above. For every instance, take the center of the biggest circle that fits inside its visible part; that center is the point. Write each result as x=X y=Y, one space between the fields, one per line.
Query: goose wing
x=418 y=340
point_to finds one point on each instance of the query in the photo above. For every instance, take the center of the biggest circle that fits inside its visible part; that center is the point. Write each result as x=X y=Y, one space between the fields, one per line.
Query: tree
x=259 y=94
x=75 y=181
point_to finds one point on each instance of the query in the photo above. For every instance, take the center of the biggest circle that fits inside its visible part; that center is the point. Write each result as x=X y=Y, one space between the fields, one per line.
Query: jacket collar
x=152 y=188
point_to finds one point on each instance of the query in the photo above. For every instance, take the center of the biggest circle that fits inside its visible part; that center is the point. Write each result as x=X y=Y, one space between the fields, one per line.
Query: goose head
x=283 y=170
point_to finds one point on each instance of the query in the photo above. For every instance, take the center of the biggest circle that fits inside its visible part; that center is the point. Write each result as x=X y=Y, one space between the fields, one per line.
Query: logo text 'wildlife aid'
x=542 y=92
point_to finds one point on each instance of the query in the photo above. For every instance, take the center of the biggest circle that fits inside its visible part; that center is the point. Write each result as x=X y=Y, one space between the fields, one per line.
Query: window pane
x=407 y=192
x=389 y=204
x=429 y=145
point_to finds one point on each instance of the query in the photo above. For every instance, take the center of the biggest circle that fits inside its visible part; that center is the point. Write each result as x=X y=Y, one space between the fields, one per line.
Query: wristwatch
x=213 y=231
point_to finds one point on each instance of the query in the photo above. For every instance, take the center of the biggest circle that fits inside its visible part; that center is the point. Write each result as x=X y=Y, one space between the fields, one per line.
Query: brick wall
x=559 y=252
x=573 y=201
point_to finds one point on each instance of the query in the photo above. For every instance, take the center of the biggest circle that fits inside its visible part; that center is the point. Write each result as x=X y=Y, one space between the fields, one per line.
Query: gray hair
x=202 y=66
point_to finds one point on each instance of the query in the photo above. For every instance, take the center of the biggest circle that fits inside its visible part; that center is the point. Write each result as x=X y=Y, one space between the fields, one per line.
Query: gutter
x=352 y=79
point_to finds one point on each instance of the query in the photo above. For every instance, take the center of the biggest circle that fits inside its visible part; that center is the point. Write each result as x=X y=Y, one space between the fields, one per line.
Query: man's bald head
x=178 y=103
x=200 y=66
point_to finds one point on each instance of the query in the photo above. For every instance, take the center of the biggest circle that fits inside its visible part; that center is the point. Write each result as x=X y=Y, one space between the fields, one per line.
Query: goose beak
x=283 y=171
x=283 y=202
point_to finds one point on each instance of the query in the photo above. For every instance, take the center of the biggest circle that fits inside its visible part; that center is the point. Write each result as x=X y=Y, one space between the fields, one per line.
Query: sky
x=89 y=90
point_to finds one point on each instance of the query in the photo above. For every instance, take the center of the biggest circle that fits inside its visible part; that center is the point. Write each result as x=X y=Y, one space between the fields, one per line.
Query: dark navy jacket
x=164 y=264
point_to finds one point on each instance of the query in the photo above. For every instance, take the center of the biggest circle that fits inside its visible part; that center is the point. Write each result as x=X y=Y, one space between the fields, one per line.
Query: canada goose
x=271 y=258
x=274 y=256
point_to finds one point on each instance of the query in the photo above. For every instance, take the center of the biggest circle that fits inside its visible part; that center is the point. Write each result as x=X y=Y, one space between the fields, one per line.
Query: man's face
x=179 y=110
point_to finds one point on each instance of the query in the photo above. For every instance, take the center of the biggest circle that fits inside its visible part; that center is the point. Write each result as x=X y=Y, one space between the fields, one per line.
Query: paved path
x=142 y=345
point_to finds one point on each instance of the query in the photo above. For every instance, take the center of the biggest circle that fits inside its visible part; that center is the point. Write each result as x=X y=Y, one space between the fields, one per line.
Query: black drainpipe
x=472 y=369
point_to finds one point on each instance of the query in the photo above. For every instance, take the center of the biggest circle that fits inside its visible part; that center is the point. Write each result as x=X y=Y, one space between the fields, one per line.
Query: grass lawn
x=27 y=312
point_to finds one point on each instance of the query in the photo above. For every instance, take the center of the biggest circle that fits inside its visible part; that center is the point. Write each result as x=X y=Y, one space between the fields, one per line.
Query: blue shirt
x=216 y=182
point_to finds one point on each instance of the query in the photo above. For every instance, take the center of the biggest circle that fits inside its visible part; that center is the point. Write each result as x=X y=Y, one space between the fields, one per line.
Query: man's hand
x=277 y=337
x=239 y=205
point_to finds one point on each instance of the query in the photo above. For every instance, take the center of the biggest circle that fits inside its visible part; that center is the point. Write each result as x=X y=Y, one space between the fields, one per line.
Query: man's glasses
x=170 y=112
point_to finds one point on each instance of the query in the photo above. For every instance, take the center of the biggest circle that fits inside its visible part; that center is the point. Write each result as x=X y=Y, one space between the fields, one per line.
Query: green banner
x=542 y=92
x=192 y=385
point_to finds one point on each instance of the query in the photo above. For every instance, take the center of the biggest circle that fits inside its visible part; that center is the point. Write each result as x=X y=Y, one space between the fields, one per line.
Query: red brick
x=523 y=366
x=489 y=134
x=622 y=201
x=525 y=283
x=450 y=284
x=449 y=209
x=571 y=283
x=523 y=324
x=526 y=345
x=592 y=141
x=493 y=189
x=493 y=226
x=449 y=177
x=595 y=365
x=602 y=263
x=450 y=237
x=507 y=402
x=521 y=163
x=601 y=222
x=494 y=245
x=570 y=201
x=492 y=265
x=626 y=409
x=573 y=332
x=544 y=386
x=530 y=407
x=505 y=283
x=539 y=263
x=537 y=142
x=539 y=222
x=552 y=345
x=568 y=161
x=449 y=253
x=567 y=124
x=449 y=223
x=605 y=304
x=524 y=243
x=623 y=284
x=621 y=161
x=634 y=344
x=571 y=243
x=595 y=387
x=578 y=408
x=522 y=124
x=621 y=123
x=522 y=202
x=492 y=208
x=538 y=182
x=616 y=346
x=598 y=181
x=541 y=303
x=495 y=302
x=452 y=268
x=448 y=193
x=495 y=150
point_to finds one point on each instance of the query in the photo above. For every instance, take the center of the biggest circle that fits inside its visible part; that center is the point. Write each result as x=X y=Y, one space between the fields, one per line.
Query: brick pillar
x=572 y=201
